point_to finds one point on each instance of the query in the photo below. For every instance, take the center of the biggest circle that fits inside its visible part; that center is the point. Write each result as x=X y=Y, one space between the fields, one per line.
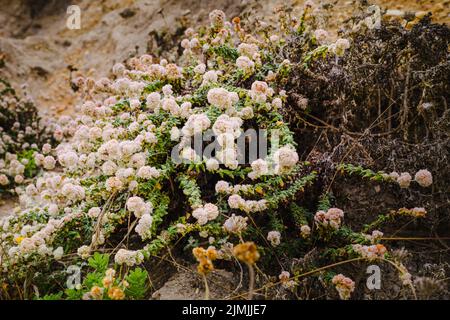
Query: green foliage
x=137 y=280
x=99 y=261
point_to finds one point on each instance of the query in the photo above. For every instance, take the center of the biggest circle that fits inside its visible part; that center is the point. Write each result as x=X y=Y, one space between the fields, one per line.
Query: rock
x=7 y=206
x=189 y=285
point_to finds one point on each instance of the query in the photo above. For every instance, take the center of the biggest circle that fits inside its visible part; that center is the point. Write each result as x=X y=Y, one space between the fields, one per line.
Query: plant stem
x=206 y=287
x=252 y=281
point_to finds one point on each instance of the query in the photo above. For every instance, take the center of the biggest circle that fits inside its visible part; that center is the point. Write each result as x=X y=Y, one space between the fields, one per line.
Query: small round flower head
x=245 y=64
x=284 y=279
x=217 y=19
x=235 y=201
x=423 y=178
x=138 y=206
x=260 y=168
x=246 y=252
x=144 y=226
x=274 y=237
x=344 y=285
x=235 y=224
x=340 y=46
x=94 y=212
x=223 y=187
x=84 y=251
x=212 y=164
x=305 y=231
x=394 y=175
x=128 y=257
x=286 y=158
x=200 y=68
x=404 y=180
x=205 y=259
x=247 y=49
x=321 y=35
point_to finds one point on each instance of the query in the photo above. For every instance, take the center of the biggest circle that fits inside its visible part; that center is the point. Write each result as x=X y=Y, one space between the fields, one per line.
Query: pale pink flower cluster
x=94 y=212
x=196 y=123
x=147 y=173
x=274 y=237
x=223 y=187
x=344 y=286
x=245 y=64
x=424 y=178
x=285 y=280
x=39 y=242
x=405 y=276
x=138 y=206
x=260 y=91
x=217 y=18
x=212 y=164
x=332 y=218
x=260 y=168
x=205 y=213
x=68 y=158
x=339 y=47
x=235 y=201
x=321 y=35
x=144 y=226
x=371 y=252
x=84 y=252
x=222 y=98
x=11 y=166
x=285 y=159
x=225 y=124
x=128 y=257
x=375 y=236
x=208 y=77
x=235 y=224
x=73 y=192
x=189 y=154
x=248 y=49
x=404 y=180
x=228 y=156
x=305 y=231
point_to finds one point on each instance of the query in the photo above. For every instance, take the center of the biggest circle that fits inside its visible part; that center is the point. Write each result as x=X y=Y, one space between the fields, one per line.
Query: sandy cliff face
x=38 y=49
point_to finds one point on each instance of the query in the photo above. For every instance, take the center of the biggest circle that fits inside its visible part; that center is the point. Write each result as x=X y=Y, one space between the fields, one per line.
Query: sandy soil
x=38 y=49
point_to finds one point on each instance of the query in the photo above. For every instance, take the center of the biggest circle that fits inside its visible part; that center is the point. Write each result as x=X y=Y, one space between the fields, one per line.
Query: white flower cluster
x=274 y=237
x=139 y=207
x=374 y=237
x=260 y=91
x=285 y=159
x=196 y=123
x=344 y=286
x=147 y=173
x=235 y=201
x=205 y=213
x=285 y=280
x=144 y=226
x=223 y=99
x=332 y=218
x=371 y=252
x=128 y=257
x=260 y=168
x=235 y=224
x=423 y=177
x=339 y=47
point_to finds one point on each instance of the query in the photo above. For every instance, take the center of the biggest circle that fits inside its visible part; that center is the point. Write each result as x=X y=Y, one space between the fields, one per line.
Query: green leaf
x=99 y=262
x=137 y=280
x=54 y=296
